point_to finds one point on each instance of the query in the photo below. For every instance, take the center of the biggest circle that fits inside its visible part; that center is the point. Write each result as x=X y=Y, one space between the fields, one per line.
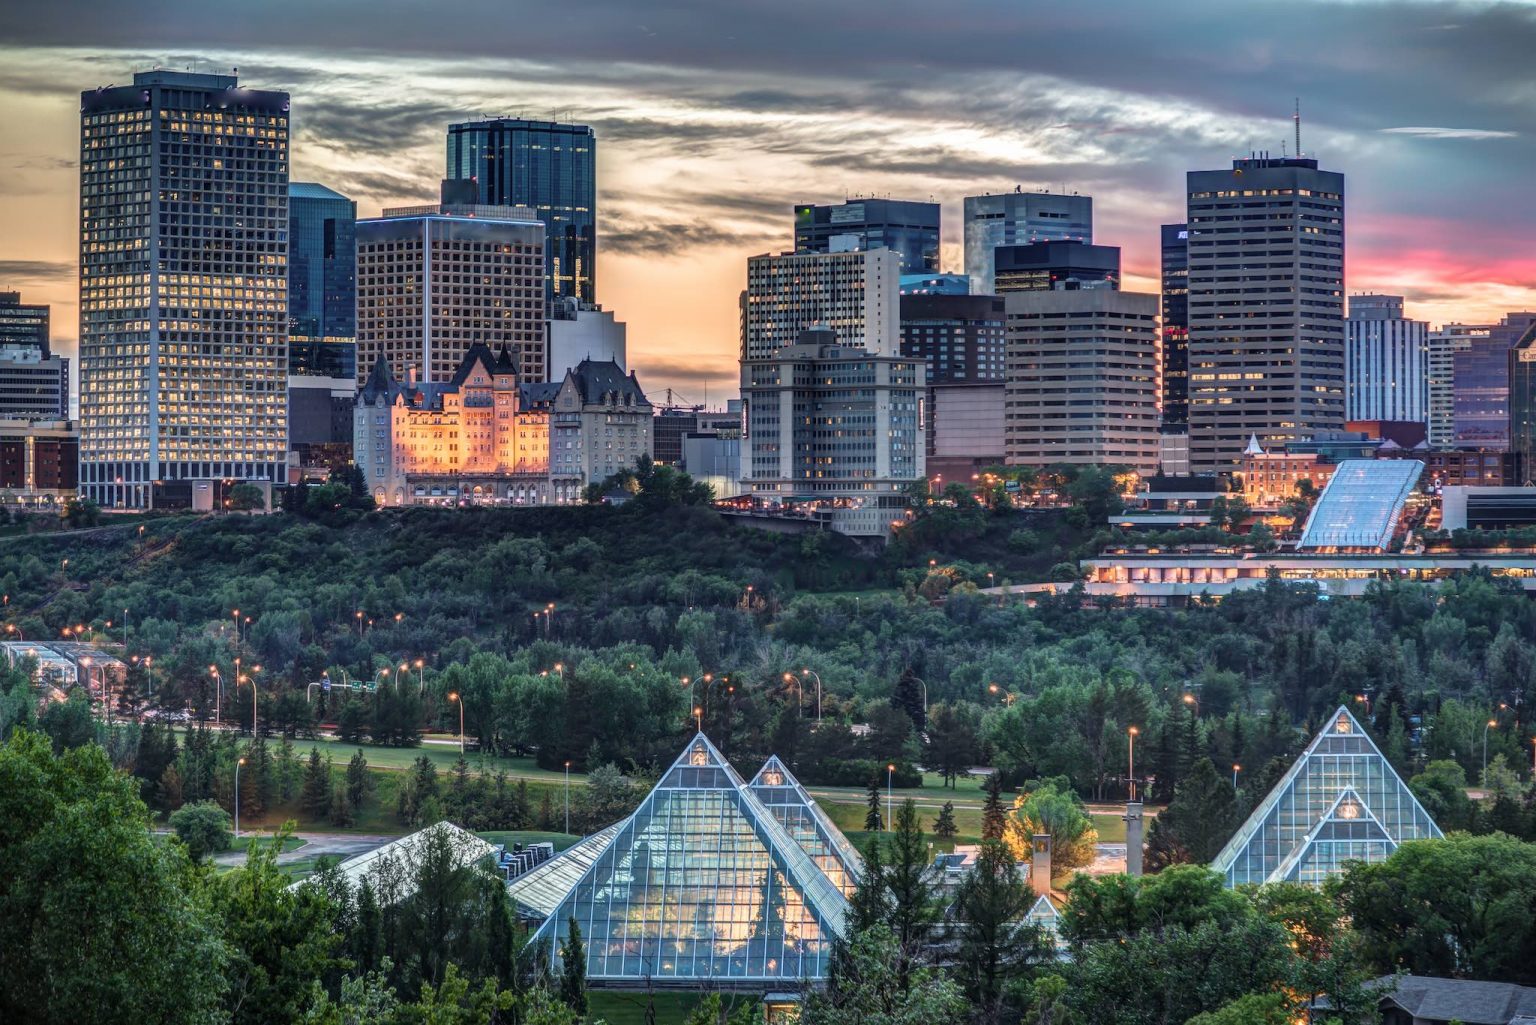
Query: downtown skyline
x=712 y=128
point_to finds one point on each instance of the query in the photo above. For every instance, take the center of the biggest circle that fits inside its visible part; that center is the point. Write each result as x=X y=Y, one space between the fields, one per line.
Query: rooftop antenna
x=1297 y=119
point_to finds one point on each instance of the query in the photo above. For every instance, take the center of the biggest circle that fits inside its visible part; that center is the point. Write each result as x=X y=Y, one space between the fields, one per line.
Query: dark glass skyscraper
x=912 y=229
x=1522 y=405
x=1481 y=384
x=23 y=325
x=549 y=167
x=1056 y=267
x=1175 y=329
x=322 y=282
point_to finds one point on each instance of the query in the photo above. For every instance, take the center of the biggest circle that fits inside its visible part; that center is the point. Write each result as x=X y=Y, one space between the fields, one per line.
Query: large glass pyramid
x=782 y=794
x=701 y=883
x=1341 y=801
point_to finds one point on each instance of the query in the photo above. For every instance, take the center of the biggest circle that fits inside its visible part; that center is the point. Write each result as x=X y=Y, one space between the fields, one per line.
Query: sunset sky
x=714 y=117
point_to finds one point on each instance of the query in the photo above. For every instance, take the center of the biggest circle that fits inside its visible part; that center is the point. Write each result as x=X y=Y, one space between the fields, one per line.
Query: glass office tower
x=549 y=167
x=912 y=229
x=1175 y=369
x=183 y=286
x=322 y=282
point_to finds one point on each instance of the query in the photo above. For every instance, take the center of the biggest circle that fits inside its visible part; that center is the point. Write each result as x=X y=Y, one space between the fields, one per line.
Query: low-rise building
x=39 y=462
x=600 y=423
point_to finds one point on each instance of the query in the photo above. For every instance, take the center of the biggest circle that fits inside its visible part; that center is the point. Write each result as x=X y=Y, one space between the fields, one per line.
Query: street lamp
x=890 y=774
x=421 y=679
x=1488 y=726
x=13 y=628
x=1364 y=699
x=1130 y=735
x=218 y=692
x=560 y=669
x=567 y=797
x=1194 y=702
x=238 y=763
x=698 y=717
x=235 y=615
x=817 y=676
x=453 y=696
x=1235 y=770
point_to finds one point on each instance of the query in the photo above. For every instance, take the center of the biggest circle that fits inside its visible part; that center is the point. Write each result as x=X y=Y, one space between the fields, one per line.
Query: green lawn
x=672 y=1008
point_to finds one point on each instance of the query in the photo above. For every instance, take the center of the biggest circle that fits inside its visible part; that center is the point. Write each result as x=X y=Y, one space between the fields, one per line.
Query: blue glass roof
x=1360 y=505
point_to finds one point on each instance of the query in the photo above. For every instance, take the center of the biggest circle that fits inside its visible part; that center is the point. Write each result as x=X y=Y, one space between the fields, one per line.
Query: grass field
x=616 y=1008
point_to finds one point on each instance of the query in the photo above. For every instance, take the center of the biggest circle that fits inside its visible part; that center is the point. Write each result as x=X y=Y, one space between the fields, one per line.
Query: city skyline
x=710 y=131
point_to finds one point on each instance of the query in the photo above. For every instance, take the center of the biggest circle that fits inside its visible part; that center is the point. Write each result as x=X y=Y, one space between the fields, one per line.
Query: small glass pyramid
x=1341 y=801
x=700 y=883
x=782 y=794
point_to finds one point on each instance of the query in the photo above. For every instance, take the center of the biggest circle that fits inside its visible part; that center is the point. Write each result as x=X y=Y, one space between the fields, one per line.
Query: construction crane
x=678 y=402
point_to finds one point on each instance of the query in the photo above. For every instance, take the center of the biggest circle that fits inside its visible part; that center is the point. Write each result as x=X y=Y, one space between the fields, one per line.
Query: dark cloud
x=696 y=369
x=677 y=238
x=35 y=270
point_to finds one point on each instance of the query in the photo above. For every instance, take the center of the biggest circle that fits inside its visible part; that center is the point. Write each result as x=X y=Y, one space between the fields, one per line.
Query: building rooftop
x=1360 y=506
x=391 y=869
x=314 y=190
x=1465 y=1000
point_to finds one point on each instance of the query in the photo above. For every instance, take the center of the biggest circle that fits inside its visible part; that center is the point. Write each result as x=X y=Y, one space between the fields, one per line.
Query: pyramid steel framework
x=782 y=794
x=701 y=883
x=1341 y=801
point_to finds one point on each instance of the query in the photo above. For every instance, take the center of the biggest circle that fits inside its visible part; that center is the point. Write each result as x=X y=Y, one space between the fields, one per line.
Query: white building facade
x=856 y=294
x=1386 y=364
x=581 y=331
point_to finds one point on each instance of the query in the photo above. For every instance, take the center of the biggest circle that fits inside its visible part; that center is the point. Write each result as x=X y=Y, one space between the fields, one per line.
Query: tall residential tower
x=855 y=294
x=1266 y=306
x=183 y=287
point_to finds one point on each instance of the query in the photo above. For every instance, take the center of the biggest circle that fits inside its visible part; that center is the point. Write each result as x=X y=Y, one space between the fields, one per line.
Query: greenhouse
x=782 y=794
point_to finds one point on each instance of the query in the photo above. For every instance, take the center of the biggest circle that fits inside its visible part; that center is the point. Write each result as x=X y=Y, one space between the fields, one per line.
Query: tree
x=908 y=880
x=1253 y=1009
x=69 y=724
x=246 y=497
x=874 y=822
x=867 y=989
x=315 y=795
x=1442 y=789
x=952 y=740
x=1051 y=807
x=203 y=827
x=908 y=697
x=573 y=970
x=94 y=914
x=996 y=948
x=360 y=784
x=944 y=826
x=994 y=818
x=1198 y=821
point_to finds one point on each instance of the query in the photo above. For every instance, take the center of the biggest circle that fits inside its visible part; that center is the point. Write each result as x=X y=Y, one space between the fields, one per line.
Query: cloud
x=687 y=371
x=36 y=270
x=1450 y=133
x=678 y=239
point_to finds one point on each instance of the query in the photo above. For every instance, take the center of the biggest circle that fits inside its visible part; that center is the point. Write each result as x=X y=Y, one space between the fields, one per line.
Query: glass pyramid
x=782 y=794
x=1341 y=801
x=701 y=883
x=1045 y=915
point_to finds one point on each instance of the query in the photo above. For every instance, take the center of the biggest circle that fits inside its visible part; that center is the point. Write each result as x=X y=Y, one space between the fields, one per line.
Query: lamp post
x=923 y=683
x=1130 y=735
x=560 y=671
x=218 y=692
x=252 y=679
x=453 y=696
x=1486 y=727
x=890 y=774
x=238 y=763
x=817 y=677
x=13 y=628
x=1193 y=701
x=421 y=678
x=235 y=615
x=698 y=717
x=567 y=797
x=1235 y=770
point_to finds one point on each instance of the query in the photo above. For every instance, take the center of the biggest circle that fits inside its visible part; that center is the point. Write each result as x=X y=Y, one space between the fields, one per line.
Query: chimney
x=410 y=375
x=1040 y=866
x=1133 y=844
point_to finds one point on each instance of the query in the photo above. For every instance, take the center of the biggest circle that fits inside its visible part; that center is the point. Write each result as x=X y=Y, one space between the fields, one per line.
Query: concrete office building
x=1444 y=344
x=1386 y=363
x=1082 y=379
x=548 y=167
x=911 y=229
x=578 y=331
x=1018 y=218
x=1480 y=374
x=1059 y=266
x=432 y=281
x=964 y=430
x=23 y=325
x=833 y=429
x=960 y=337
x=1266 y=306
x=855 y=294
x=33 y=385
x=322 y=282
x=183 y=287
x=600 y=423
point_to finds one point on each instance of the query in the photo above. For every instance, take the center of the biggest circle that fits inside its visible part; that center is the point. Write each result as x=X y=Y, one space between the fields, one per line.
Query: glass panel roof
x=1360 y=504
x=537 y=892
x=782 y=794
x=1341 y=801
x=700 y=883
x=391 y=869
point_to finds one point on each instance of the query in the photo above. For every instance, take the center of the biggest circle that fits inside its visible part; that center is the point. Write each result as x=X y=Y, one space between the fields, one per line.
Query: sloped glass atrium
x=701 y=883
x=1361 y=503
x=803 y=819
x=1341 y=801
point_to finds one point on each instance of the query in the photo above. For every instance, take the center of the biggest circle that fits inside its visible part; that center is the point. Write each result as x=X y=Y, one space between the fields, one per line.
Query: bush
x=203 y=827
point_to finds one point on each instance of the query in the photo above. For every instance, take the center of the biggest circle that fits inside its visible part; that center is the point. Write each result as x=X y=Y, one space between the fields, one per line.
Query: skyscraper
x=1175 y=331
x=434 y=280
x=1481 y=384
x=856 y=294
x=322 y=282
x=912 y=229
x=1444 y=344
x=1266 y=306
x=550 y=168
x=960 y=337
x=1522 y=405
x=1016 y=218
x=183 y=286
x=1055 y=266
x=23 y=325
x=34 y=383
x=1386 y=366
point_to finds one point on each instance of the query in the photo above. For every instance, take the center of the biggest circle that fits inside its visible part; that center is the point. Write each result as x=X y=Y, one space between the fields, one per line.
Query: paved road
x=342 y=845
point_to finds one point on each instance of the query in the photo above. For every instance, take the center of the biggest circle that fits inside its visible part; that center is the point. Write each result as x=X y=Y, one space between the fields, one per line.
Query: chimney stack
x=1133 y=838
x=1040 y=866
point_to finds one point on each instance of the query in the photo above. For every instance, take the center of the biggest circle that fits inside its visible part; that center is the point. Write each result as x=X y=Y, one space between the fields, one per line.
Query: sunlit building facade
x=183 y=286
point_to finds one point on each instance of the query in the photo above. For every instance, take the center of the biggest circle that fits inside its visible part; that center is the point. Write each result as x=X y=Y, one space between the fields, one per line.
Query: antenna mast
x=1297 y=118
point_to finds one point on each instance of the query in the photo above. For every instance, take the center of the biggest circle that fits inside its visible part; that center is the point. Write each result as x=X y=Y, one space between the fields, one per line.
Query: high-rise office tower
x=550 y=168
x=1175 y=329
x=1266 y=306
x=1522 y=405
x=183 y=287
x=1017 y=218
x=1444 y=344
x=434 y=280
x=1082 y=378
x=1055 y=266
x=912 y=229
x=1386 y=364
x=835 y=428
x=855 y=294
x=34 y=383
x=1481 y=384
x=322 y=282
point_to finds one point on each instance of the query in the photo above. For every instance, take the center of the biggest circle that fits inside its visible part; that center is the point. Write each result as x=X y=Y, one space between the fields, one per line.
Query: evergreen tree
x=994 y=817
x=315 y=796
x=873 y=821
x=944 y=826
x=869 y=904
x=996 y=948
x=573 y=970
x=908 y=696
x=366 y=944
x=909 y=880
x=1197 y=823
x=360 y=783
x=286 y=769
